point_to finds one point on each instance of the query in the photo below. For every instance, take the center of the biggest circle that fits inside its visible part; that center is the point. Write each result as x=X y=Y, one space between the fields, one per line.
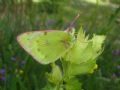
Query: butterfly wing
x=45 y=46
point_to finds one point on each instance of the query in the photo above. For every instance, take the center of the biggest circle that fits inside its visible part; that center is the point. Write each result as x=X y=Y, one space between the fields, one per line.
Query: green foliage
x=90 y=47
x=76 y=69
x=56 y=74
x=49 y=87
x=81 y=58
x=73 y=84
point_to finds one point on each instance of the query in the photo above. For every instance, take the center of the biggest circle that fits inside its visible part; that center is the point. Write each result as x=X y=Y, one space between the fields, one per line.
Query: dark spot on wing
x=37 y=41
x=45 y=56
x=38 y=49
x=45 y=33
x=65 y=43
x=28 y=38
x=46 y=42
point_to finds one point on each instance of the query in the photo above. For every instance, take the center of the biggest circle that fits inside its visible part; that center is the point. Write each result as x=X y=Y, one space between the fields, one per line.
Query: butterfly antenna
x=72 y=23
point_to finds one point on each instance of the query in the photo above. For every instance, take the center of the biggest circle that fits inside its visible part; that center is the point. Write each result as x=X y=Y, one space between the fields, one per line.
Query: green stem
x=58 y=86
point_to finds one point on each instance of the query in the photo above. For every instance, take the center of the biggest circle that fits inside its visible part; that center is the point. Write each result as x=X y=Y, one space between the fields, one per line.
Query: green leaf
x=81 y=35
x=56 y=75
x=79 y=53
x=81 y=58
x=83 y=68
x=84 y=50
x=72 y=69
x=97 y=42
x=49 y=87
x=73 y=84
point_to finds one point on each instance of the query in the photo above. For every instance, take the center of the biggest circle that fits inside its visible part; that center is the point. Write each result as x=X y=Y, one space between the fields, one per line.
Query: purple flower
x=2 y=78
x=13 y=58
x=116 y=74
x=118 y=67
x=23 y=62
x=49 y=22
x=2 y=71
x=113 y=75
x=2 y=74
x=116 y=52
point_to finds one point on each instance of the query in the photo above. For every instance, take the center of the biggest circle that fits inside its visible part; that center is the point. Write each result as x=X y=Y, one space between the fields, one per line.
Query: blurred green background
x=18 y=70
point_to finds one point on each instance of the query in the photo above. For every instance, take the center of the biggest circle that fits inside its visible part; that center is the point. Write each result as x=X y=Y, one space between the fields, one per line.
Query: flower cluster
x=2 y=74
x=116 y=52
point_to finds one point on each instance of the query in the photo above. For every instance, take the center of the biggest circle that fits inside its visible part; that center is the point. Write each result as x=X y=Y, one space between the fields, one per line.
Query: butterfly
x=46 y=46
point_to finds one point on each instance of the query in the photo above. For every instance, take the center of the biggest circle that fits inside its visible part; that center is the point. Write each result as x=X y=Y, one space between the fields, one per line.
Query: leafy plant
x=77 y=53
